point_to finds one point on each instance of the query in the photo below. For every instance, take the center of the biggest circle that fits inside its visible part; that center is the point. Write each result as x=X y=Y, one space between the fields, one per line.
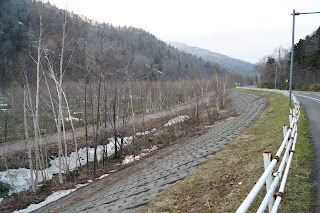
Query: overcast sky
x=243 y=29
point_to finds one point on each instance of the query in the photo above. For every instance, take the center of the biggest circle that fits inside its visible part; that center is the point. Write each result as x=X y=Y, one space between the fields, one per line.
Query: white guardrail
x=272 y=199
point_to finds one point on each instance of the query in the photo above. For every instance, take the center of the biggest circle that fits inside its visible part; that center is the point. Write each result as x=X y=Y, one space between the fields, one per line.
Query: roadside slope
x=223 y=182
x=136 y=190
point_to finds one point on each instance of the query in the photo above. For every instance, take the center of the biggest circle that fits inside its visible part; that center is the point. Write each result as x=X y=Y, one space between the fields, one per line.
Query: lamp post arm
x=292 y=51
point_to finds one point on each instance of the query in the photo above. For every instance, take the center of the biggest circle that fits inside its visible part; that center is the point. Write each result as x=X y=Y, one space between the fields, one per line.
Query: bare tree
x=28 y=140
x=97 y=127
x=36 y=113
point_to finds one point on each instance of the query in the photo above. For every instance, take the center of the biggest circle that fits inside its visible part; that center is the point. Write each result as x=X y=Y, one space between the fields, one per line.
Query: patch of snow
x=53 y=197
x=178 y=119
x=1 y=199
x=20 y=179
x=145 y=132
x=3 y=105
x=150 y=150
x=130 y=158
x=79 y=112
x=73 y=118
x=81 y=185
x=102 y=176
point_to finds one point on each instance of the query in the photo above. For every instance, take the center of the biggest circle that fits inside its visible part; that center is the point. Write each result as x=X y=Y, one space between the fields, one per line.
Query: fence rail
x=272 y=199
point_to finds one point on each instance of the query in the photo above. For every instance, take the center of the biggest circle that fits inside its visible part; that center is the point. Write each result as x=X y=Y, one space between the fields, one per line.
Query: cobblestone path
x=133 y=192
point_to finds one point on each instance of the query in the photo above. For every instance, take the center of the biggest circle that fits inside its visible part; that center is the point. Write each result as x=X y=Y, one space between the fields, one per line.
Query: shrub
x=314 y=87
x=45 y=186
x=3 y=187
x=72 y=174
x=264 y=84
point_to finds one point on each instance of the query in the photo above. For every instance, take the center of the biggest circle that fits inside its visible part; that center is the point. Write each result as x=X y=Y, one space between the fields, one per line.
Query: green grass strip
x=224 y=181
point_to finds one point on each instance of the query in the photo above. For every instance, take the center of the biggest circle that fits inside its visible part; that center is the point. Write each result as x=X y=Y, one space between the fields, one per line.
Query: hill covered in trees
x=60 y=71
x=87 y=42
x=225 y=62
x=275 y=69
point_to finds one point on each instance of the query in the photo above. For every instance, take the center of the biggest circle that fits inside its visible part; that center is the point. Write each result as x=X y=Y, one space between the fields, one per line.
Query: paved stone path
x=133 y=192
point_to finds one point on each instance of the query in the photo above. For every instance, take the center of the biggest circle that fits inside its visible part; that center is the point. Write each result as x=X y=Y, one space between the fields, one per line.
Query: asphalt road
x=133 y=192
x=310 y=101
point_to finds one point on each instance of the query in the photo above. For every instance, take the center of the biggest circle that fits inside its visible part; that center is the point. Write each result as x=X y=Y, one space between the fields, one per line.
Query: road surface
x=15 y=146
x=132 y=192
x=310 y=101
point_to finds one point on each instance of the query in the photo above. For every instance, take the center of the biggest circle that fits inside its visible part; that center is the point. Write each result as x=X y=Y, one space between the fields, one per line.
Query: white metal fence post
x=291 y=115
x=272 y=180
x=267 y=157
x=285 y=130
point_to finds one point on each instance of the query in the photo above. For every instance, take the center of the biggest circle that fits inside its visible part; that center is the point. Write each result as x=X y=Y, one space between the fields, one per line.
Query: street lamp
x=292 y=51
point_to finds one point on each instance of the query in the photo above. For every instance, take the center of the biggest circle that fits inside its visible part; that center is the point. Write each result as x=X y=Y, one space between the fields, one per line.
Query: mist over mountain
x=225 y=62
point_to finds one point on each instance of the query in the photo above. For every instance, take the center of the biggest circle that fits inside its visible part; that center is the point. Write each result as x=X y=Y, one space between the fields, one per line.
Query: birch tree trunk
x=73 y=130
x=86 y=123
x=28 y=141
x=217 y=95
x=114 y=124
x=97 y=129
x=196 y=113
x=60 y=114
x=36 y=115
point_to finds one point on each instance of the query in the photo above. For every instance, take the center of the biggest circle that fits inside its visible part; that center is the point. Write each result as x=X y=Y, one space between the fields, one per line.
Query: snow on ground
x=102 y=176
x=73 y=118
x=20 y=179
x=178 y=119
x=145 y=132
x=53 y=197
x=131 y=158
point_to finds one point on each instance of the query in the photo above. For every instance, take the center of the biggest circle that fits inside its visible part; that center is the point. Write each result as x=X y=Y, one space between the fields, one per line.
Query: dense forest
x=50 y=52
x=275 y=69
x=86 y=42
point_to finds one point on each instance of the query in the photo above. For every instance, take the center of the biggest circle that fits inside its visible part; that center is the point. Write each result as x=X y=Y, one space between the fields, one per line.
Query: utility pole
x=292 y=51
x=278 y=65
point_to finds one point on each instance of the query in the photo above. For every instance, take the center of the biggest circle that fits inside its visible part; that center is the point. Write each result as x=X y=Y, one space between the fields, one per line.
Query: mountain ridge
x=225 y=62
x=89 y=44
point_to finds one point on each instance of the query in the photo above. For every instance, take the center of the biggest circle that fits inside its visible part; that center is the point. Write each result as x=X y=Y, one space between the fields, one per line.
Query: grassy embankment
x=223 y=182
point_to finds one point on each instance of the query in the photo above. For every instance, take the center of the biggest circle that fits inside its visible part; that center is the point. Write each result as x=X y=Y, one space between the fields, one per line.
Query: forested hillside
x=86 y=43
x=60 y=71
x=275 y=69
x=225 y=63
